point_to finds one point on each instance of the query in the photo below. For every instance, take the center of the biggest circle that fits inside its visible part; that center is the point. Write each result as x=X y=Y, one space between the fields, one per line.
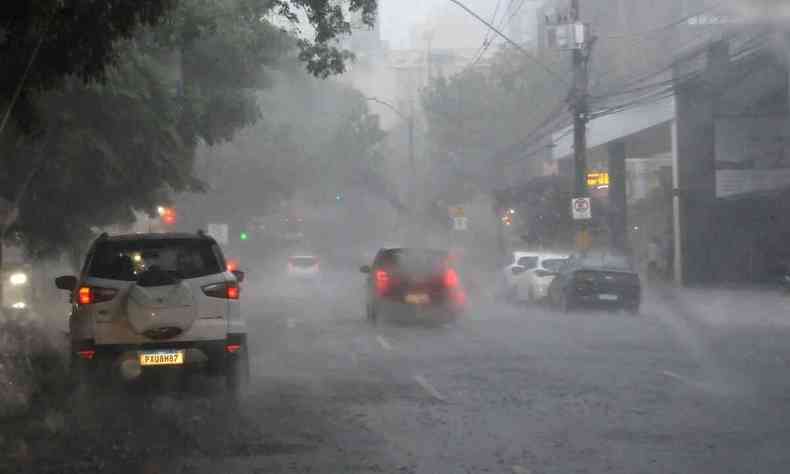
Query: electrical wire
x=662 y=91
x=489 y=42
x=622 y=83
x=520 y=48
x=666 y=27
x=486 y=39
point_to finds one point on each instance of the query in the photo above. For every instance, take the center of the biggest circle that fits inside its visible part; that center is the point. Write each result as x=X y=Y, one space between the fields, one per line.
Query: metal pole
x=580 y=129
x=412 y=167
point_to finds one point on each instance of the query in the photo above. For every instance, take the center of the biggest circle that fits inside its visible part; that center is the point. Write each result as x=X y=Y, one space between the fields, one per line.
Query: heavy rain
x=394 y=236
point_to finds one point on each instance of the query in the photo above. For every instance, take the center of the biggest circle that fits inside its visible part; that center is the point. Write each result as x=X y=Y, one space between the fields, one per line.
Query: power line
x=484 y=46
x=668 y=26
x=487 y=43
x=512 y=43
x=751 y=44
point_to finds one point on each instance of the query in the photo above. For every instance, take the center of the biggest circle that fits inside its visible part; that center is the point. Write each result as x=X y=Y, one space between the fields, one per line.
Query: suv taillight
x=229 y=290
x=94 y=294
x=453 y=284
x=382 y=281
x=451 y=278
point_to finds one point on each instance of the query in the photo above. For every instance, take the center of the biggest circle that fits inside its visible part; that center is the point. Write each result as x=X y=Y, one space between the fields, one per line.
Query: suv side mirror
x=239 y=275
x=66 y=282
x=364 y=269
x=517 y=270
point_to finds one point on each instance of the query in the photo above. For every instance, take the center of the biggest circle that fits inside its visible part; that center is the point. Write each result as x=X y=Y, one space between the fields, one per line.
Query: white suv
x=146 y=302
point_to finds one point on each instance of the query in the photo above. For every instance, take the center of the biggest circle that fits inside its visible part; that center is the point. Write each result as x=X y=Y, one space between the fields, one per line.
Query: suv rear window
x=125 y=260
x=413 y=261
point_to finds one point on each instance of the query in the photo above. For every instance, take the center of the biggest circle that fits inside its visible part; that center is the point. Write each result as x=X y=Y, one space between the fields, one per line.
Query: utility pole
x=580 y=117
x=412 y=165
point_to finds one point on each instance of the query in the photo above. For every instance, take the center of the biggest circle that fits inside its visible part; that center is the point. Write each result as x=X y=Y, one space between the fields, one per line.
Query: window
x=126 y=260
x=528 y=262
x=554 y=264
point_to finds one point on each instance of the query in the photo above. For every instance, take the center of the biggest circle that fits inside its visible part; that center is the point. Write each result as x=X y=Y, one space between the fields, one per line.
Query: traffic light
x=243 y=236
x=339 y=197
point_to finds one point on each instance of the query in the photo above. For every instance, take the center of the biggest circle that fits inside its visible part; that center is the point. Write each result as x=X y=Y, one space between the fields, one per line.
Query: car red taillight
x=233 y=348
x=451 y=279
x=93 y=294
x=382 y=281
x=453 y=284
x=86 y=354
x=229 y=290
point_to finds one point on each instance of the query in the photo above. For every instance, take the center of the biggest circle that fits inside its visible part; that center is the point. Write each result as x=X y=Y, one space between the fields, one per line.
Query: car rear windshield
x=126 y=260
x=414 y=261
x=554 y=264
x=608 y=262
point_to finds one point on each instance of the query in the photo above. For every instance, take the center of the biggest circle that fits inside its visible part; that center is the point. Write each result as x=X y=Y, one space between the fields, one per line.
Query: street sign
x=581 y=209
x=219 y=232
x=460 y=223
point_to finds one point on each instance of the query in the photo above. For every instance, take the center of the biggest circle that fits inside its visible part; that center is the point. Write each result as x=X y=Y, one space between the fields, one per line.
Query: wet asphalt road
x=686 y=387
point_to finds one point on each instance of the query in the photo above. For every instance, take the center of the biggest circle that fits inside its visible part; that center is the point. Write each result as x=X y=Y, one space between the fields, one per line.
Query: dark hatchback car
x=596 y=281
x=413 y=285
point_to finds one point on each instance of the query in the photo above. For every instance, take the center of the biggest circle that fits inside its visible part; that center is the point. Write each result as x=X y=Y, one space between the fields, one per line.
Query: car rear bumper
x=595 y=301
x=403 y=312
x=212 y=354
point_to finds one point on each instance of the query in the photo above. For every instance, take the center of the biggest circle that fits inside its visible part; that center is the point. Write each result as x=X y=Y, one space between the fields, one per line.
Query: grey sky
x=398 y=17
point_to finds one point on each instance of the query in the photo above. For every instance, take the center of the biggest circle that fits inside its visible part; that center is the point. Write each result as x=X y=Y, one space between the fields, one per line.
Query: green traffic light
x=244 y=236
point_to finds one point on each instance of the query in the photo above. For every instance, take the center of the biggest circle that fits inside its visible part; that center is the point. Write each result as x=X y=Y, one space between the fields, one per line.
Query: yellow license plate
x=418 y=298
x=162 y=358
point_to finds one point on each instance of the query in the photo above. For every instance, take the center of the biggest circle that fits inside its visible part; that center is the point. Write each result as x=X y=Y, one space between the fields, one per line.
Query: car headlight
x=19 y=305
x=18 y=279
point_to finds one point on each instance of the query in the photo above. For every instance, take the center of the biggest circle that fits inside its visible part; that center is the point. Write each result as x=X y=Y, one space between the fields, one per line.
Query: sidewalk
x=724 y=306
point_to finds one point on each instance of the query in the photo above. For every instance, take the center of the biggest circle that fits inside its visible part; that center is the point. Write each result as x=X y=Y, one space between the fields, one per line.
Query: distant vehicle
x=515 y=271
x=17 y=288
x=533 y=282
x=415 y=285
x=303 y=266
x=596 y=281
x=148 y=301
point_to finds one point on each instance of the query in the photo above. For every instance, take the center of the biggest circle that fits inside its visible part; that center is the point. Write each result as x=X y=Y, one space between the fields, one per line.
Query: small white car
x=514 y=271
x=535 y=276
x=303 y=266
x=147 y=302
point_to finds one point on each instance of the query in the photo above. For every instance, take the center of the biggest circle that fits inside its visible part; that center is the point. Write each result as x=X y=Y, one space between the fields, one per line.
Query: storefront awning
x=617 y=125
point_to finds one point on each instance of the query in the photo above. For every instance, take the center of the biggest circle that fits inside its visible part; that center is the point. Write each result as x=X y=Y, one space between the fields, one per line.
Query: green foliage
x=315 y=138
x=477 y=113
x=104 y=127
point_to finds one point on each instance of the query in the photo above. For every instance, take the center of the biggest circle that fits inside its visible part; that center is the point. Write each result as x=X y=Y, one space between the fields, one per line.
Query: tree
x=63 y=38
x=477 y=115
x=315 y=139
x=98 y=138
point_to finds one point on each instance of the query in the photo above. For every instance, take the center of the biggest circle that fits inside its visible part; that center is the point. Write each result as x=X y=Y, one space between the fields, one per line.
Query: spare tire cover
x=155 y=307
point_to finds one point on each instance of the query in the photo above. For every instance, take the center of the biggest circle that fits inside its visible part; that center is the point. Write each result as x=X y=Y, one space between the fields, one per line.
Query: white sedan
x=515 y=271
x=303 y=267
x=535 y=276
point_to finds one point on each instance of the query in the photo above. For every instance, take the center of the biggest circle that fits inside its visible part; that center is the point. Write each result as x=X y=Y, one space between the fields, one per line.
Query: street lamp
x=409 y=118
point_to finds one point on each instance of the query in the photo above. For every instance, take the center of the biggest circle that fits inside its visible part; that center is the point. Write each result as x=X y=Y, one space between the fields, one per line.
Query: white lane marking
x=422 y=382
x=687 y=380
x=291 y=323
x=384 y=343
x=521 y=470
